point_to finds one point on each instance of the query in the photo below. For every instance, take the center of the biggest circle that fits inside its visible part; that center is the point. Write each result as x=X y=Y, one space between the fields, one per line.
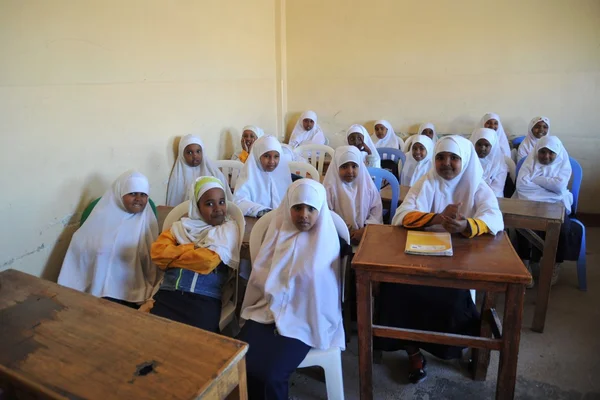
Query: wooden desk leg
x=364 y=318
x=511 y=336
x=544 y=282
x=481 y=357
x=241 y=390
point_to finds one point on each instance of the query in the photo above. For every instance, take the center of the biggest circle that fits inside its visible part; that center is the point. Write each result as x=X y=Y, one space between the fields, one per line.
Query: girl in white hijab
x=384 y=136
x=250 y=134
x=197 y=254
x=492 y=161
x=538 y=128
x=351 y=192
x=307 y=131
x=544 y=176
x=454 y=195
x=358 y=137
x=492 y=121
x=264 y=179
x=292 y=302
x=109 y=256
x=418 y=160
x=427 y=129
x=191 y=163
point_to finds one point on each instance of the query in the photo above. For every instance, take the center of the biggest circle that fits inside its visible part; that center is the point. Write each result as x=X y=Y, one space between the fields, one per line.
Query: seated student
x=307 y=131
x=492 y=121
x=292 y=301
x=427 y=129
x=544 y=176
x=190 y=164
x=492 y=161
x=250 y=134
x=384 y=136
x=263 y=180
x=351 y=192
x=358 y=137
x=538 y=128
x=196 y=254
x=109 y=256
x=454 y=195
x=418 y=160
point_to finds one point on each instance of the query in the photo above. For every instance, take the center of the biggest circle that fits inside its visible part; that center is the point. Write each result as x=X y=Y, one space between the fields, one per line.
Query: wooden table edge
x=231 y=363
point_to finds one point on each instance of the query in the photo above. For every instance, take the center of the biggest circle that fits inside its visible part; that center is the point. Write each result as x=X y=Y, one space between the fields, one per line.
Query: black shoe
x=419 y=374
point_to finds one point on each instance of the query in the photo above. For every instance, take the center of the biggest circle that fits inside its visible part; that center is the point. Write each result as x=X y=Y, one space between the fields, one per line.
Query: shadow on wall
x=228 y=143
x=291 y=119
x=93 y=188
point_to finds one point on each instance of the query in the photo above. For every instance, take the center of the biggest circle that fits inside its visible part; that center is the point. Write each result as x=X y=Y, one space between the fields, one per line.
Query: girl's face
x=213 y=207
x=269 y=160
x=428 y=132
x=135 y=202
x=483 y=148
x=348 y=172
x=540 y=129
x=419 y=151
x=448 y=165
x=546 y=156
x=355 y=139
x=491 y=124
x=308 y=124
x=192 y=155
x=380 y=131
x=249 y=138
x=304 y=216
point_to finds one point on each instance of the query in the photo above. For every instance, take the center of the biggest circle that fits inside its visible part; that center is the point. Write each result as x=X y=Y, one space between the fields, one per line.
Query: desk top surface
x=484 y=258
x=85 y=347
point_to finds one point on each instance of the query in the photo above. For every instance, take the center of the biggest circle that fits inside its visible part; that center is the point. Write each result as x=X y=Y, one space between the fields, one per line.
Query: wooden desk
x=471 y=267
x=527 y=216
x=57 y=343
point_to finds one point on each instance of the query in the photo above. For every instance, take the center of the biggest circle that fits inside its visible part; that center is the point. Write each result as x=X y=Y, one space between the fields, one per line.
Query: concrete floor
x=561 y=363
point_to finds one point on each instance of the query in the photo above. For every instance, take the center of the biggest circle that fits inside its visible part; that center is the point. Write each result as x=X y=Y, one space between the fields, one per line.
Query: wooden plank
x=436 y=337
x=79 y=346
x=437 y=281
x=481 y=357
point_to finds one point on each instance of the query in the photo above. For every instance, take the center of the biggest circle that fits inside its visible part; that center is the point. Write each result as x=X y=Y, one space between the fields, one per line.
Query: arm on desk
x=166 y=253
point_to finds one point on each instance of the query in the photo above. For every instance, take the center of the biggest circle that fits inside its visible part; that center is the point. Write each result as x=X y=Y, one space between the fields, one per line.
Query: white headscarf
x=494 y=165
x=253 y=128
x=295 y=280
x=109 y=255
x=222 y=239
x=183 y=175
x=502 y=139
x=547 y=183
x=257 y=189
x=356 y=128
x=413 y=170
x=358 y=202
x=432 y=193
x=530 y=140
x=301 y=136
x=428 y=125
x=390 y=139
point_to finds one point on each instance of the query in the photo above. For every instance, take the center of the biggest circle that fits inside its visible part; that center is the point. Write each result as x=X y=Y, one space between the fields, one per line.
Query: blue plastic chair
x=577 y=176
x=378 y=176
x=390 y=153
x=517 y=141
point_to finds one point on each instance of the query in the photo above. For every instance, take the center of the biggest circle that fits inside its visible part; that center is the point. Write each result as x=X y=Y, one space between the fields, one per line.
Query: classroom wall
x=89 y=89
x=450 y=62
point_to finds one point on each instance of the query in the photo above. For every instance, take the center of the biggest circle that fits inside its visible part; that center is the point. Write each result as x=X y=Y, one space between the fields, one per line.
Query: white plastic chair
x=233 y=211
x=231 y=169
x=331 y=359
x=303 y=169
x=316 y=153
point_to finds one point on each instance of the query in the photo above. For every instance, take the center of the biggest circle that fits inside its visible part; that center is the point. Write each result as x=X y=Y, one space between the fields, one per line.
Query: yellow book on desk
x=428 y=243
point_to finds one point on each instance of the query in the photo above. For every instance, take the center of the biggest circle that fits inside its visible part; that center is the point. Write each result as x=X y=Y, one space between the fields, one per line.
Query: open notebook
x=428 y=243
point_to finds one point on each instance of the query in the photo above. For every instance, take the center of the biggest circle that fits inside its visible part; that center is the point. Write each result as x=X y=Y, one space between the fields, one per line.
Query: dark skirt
x=125 y=303
x=426 y=308
x=188 y=308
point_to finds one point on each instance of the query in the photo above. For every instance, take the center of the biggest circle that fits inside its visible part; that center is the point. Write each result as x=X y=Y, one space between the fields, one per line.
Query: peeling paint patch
x=14 y=259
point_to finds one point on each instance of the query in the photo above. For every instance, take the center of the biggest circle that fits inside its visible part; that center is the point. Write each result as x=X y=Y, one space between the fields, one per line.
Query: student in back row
x=492 y=121
x=418 y=160
x=191 y=163
x=537 y=129
x=307 y=131
x=358 y=137
x=384 y=136
x=427 y=129
x=250 y=134
x=492 y=160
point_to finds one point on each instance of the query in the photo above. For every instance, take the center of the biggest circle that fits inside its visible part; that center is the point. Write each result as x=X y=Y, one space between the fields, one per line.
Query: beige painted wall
x=89 y=89
x=449 y=62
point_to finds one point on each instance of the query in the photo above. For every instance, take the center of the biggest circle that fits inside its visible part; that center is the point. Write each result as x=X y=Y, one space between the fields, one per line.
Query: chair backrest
x=303 y=169
x=231 y=169
x=379 y=175
x=519 y=165
x=512 y=169
x=517 y=141
x=316 y=153
x=390 y=153
x=175 y=214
